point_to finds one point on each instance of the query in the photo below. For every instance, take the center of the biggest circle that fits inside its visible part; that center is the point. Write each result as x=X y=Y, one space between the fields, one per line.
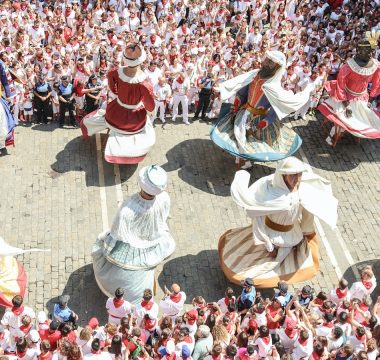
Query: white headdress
x=291 y=165
x=135 y=62
x=276 y=56
x=153 y=179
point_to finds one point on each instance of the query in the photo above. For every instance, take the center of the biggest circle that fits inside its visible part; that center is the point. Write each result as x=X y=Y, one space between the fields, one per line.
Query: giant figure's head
x=134 y=55
x=273 y=62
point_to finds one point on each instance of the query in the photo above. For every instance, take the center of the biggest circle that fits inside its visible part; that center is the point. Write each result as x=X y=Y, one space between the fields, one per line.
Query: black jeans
x=63 y=107
x=203 y=104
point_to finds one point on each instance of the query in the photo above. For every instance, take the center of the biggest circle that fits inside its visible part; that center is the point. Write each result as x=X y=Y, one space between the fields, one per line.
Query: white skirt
x=121 y=148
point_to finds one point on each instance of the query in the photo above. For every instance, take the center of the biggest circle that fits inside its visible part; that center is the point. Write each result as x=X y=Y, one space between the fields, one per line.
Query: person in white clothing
x=117 y=307
x=289 y=334
x=340 y=293
x=172 y=303
x=264 y=342
x=228 y=299
x=96 y=352
x=303 y=347
x=153 y=73
x=180 y=89
x=162 y=94
x=12 y=319
x=146 y=306
x=366 y=286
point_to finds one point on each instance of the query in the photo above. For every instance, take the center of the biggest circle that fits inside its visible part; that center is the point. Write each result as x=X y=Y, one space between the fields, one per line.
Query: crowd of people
x=60 y=51
x=304 y=324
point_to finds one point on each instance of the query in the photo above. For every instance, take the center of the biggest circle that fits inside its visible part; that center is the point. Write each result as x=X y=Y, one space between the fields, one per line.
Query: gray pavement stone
x=52 y=201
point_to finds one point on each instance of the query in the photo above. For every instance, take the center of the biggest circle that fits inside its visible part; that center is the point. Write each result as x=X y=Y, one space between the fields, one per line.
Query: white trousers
x=183 y=99
x=159 y=106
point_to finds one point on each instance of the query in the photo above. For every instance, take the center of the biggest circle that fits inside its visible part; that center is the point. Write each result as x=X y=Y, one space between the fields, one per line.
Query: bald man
x=172 y=303
x=162 y=94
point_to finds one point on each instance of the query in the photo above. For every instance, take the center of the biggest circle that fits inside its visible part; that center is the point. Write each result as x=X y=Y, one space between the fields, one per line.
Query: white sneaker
x=163 y=121
x=186 y=122
x=329 y=140
x=247 y=165
x=173 y=119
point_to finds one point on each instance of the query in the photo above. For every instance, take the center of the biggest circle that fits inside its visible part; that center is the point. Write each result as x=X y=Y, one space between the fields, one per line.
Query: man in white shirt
x=303 y=347
x=153 y=73
x=12 y=319
x=147 y=306
x=36 y=33
x=117 y=307
x=162 y=94
x=172 y=303
x=180 y=88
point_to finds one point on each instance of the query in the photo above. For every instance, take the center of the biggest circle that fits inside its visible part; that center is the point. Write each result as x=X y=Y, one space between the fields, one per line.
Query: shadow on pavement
x=347 y=154
x=199 y=274
x=86 y=299
x=205 y=166
x=81 y=155
x=350 y=276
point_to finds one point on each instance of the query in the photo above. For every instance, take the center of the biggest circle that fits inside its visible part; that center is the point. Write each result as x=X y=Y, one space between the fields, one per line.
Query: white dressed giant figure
x=281 y=243
x=138 y=241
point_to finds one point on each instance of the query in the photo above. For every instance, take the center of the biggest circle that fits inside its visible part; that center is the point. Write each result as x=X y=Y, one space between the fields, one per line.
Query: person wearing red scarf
x=117 y=307
x=227 y=299
x=364 y=287
x=264 y=342
x=340 y=293
x=326 y=328
x=289 y=334
x=13 y=319
x=146 y=306
x=172 y=303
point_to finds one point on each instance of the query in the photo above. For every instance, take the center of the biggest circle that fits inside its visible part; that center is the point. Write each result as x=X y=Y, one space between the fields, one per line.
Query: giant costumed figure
x=131 y=133
x=347 y=106
x=251 y=128
x=281 y=243
x=13 y=279
x=7 y=121
x=139 y=239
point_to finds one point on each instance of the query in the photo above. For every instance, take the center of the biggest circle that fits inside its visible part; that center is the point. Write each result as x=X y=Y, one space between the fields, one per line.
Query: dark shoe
x=61 y=125
x=74 y=125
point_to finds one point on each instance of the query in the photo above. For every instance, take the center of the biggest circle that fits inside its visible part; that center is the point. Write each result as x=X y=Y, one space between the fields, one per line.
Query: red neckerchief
x=46 y=356
x=341 y=293
x=290 y=333
x=118 y=302
x=265 y=339
x=228 y=327
x=67 y=12
x=176 y=297
x=17 y=310
x=315 y=356
x=180 y=80
x=147 y=304
x=302 y=342
x=172 y=356
x=360 y=338
x=227 y=300
x=329 y=324
x=363 y=307
x=367 y=284
x=216 y=357
x=25 y=329
x=96 y=352
x=20 y=354
x=150 y=324
x=319 y=301
x=188 y=339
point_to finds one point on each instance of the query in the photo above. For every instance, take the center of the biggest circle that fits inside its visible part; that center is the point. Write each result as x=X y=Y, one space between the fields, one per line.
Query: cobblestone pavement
x=51 y=198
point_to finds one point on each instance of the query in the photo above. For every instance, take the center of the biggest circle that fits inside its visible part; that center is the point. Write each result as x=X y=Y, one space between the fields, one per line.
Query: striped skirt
x=241 y=256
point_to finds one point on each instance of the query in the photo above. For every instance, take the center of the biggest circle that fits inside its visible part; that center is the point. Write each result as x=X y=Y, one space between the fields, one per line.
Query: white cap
x=291 y=165
x=34 y=336
x=153 y=179
x=170 y=347
x=281 y=300
x=276 y=56
x=41 y=317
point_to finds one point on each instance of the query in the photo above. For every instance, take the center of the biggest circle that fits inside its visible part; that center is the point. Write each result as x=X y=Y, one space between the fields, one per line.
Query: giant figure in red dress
x=347 y=106
x=131 y=133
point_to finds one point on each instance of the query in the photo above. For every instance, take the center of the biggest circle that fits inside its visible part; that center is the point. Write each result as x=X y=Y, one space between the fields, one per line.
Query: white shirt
x=162 y=92
x=180 y=89
x=303 y=351
x=171 y=308
x=286 y=340
x=116 y=313
x=153 y=76
x=14 y=321
x=141 y=311
x=358 y=290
